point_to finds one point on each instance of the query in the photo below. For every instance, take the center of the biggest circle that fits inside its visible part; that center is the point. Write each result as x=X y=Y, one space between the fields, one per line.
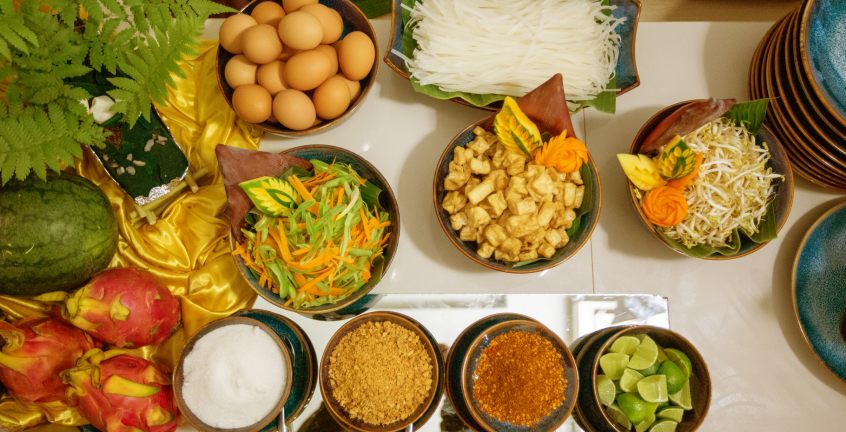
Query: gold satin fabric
x=188 y=247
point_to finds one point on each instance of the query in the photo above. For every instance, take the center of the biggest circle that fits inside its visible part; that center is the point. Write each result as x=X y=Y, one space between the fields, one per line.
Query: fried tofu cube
x=485 y=250
x=458 y=220
x=553 y=237
x=457 y=176
x=580 y=196
x=564 y=237
x=454 y=202
x=498 y=157
x=499 y=179
x=534 y=238
x=495 y=234
x=522 y=225
x=541 y=184
x=459 y=155
x=528 y=255
x=569 y=194
x=479 y=192
x=547 y=210
x=510 y=246
x=518 y=185
x=569 y=217
x=546 y=250
x=522 y=207
x=467 y=234
x=514 y=163
x=479 y=145
x=480 y=167
x=477 y=217
x=497 y=203
x=576 y=177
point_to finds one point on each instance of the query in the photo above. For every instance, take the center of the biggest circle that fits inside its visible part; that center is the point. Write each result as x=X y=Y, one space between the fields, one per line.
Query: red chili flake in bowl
x=519 y=378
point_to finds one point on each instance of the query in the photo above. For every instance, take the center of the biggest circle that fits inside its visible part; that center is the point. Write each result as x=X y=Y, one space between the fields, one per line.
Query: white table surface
x=738 y=313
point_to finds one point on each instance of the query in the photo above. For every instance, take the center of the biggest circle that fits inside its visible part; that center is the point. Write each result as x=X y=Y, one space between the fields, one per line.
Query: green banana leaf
x=604 y=102
x=751 y=114
x=374 y=8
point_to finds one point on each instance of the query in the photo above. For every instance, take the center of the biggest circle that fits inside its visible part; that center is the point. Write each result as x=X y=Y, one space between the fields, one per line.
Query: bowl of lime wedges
x=643 y=378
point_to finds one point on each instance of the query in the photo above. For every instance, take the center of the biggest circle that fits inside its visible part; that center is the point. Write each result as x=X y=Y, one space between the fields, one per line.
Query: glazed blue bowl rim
x=808 y=11
x=841 y=206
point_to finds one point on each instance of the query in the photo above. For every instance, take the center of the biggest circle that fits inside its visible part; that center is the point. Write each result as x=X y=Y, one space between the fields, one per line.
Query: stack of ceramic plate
x=800 y=65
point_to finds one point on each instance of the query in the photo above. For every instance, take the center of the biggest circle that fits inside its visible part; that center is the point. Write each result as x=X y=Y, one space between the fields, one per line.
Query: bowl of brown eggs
x=296 y=67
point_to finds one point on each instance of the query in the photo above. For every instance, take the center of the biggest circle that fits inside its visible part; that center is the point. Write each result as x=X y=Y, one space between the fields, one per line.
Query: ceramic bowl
x=419 y=417
x=625 y=72
x=700 y=380
x=361 y=300
x=304 y=362
x=488 y=423
x=455 y=360
x=819 y=289
x=782 y=202
x=589 y=211
x=179 y=377
x=821 y=39
x=354 y=20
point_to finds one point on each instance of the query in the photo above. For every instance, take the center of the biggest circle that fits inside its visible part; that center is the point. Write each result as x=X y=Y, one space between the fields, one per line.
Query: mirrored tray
x=446 y=315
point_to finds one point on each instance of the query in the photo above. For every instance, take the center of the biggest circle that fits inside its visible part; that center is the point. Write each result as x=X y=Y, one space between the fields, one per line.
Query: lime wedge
x=681 y=359
x=634 y=407
x=613 y=364
x=625 y=345
x=605 y=390
x=675 y=376
x=673 y=413
x=682 y=398
x=619 y=416
x=628 y=382
x=644 y=425
x=662 y=356
x=664 y=426
x=653 y=388
x=646 y=354
x=651 y=370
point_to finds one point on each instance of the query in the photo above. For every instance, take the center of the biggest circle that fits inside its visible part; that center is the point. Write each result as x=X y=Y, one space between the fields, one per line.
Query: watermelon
x=54 y=234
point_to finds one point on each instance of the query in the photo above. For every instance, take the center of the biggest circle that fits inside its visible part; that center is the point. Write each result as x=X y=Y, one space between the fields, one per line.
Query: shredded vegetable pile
x=511 y=47
x=732 y=190
x=327 y=246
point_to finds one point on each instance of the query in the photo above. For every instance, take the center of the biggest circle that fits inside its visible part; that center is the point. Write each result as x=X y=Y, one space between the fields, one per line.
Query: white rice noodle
x=510 y=47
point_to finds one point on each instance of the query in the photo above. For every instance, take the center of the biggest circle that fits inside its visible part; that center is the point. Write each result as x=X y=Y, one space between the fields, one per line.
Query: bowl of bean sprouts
x=737 y=200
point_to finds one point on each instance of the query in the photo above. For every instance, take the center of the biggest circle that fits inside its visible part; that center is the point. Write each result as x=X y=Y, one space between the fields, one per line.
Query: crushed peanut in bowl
x=515 y=209
x=380 y=373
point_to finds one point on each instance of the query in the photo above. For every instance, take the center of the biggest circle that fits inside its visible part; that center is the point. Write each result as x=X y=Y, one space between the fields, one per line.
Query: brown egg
x=300 y=30
x=294 y=110
x=356 y=55
x=232 y=30
x=287 y=53
x=332 y=98
x=307 y=70
x=261 y=44
x=354 y=87
x=268 y=12
x=239 y=71
x=271 y=76
x=330 y=20
x=252 y=103
x=330 y=52
x=293 y=5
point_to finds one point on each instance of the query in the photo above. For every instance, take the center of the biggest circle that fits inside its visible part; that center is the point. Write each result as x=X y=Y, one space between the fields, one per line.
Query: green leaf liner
x=604 y=102
x=374 y=8
x=751 y=114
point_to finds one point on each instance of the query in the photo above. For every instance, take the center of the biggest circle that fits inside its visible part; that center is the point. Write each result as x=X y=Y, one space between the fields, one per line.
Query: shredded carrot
x=301 y=251
x=298 y=185
x=299 y=279
x=307 y=286
x=282 y=241
x=364 y=221
x=340 y=194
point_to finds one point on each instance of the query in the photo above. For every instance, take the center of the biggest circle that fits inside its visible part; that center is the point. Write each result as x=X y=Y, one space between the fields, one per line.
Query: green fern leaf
x=4 y=50
x=11 y=37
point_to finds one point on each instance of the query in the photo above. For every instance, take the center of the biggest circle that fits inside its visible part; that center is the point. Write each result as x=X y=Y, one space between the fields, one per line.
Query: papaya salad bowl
x=709 y=179
x=314 y=227
x=518 y=192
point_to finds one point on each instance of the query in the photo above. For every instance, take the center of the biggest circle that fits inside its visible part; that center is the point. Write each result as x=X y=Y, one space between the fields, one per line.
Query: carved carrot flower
x=566 y=154
x=665 y=206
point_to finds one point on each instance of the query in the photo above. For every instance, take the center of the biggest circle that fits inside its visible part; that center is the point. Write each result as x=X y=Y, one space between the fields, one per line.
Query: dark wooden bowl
x=783 y=200
x=179 y=377
x=468 y=366
x=354 y=20
x=422 y=413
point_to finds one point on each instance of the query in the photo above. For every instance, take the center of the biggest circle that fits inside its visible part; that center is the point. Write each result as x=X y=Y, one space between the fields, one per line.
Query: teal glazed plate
x=455 y=357
x=822 y=37
x=626 y=77
x=819 y=288
x=304 y=361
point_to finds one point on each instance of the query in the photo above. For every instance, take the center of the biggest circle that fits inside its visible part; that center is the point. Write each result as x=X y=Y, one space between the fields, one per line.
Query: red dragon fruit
x=124 y=307
x=36 y=350
x=118 y=392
